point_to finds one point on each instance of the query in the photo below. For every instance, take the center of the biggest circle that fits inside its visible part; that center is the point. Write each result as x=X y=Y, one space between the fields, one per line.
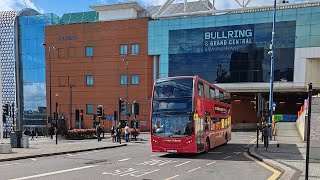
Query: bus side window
x=207 y=91
x=212 y=124
x=206 y=123
x=212 y=93
x=221 y=96
x=217 y=94
x=200 y=89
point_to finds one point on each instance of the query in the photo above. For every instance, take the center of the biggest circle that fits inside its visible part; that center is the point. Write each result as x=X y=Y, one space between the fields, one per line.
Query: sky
x=59 y=7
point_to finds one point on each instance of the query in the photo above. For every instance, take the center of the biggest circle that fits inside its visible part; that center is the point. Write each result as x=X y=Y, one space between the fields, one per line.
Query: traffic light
x=77 y=115
x=55 y=115
x=115 y=115
x=122 y=106
x=135 y=108
x=93 y=117
x=100 y=111
x=12 y=110
x=256 y=102
x=5 y=109
x=4 y=118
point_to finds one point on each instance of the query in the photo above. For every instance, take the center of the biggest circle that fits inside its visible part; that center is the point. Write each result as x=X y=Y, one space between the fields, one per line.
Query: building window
x=134 y=79
x=134 y=49
x=89 y=51
x=123 y=49
x=123 y=79
x=89 y=108
x=89 y=80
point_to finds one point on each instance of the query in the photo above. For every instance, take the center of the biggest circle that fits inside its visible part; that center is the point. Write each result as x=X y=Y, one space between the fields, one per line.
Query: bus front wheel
x=226 y=139
x=207 y=145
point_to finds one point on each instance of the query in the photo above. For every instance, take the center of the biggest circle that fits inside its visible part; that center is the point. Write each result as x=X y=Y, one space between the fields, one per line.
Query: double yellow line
x=276 y=173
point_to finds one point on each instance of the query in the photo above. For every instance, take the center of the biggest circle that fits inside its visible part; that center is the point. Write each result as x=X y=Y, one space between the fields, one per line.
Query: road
x=136 y=161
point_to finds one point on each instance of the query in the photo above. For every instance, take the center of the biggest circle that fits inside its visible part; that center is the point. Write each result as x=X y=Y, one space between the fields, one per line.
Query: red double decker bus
x=189 y=115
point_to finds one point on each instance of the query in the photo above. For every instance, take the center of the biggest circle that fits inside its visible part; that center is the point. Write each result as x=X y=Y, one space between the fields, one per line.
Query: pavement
x=45 y=146
x=290 y=158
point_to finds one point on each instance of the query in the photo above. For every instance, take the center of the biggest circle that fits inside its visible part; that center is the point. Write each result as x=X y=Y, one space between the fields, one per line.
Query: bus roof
x=193 y=77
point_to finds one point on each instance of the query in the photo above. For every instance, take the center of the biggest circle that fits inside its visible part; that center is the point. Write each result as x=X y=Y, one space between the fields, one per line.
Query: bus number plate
x=172 y=151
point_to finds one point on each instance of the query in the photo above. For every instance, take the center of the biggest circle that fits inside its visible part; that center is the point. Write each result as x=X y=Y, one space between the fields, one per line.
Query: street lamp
x=272 y=65
x=127 y=86
x=57 y=117
x=50 y=48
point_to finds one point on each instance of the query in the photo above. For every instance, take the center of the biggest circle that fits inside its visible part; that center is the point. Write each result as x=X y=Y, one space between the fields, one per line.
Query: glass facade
x=32 y=68
x=232 y=53
x=213 y=48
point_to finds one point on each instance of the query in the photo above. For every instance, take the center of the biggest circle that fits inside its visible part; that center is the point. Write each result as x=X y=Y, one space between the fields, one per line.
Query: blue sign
x=110 y=117
x=274 y=104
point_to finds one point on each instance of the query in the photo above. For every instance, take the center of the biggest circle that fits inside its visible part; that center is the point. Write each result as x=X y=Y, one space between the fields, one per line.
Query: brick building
x=87 y=69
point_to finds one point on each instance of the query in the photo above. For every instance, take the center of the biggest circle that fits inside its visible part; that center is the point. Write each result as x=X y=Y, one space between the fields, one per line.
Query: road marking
x=157 y=162
x=9 y=164
x=194 y=169
x=55 y=172
x=131 y=172
x=153 y=155
x=33 y=159
x=211 y=163
x=124 y=159
x=227 y=157
x=172 y=177
x=215 y=152
x=276 y=173
x=237 y=152
x=182 y=164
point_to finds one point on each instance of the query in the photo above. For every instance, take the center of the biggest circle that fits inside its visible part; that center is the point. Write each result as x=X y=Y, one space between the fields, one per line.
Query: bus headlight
x=190 y=141
x=154 y=141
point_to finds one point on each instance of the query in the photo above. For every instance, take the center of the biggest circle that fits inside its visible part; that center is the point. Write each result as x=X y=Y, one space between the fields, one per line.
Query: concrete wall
x=315 y=130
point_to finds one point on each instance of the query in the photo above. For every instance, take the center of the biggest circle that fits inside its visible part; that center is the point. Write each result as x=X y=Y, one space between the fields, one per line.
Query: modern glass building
x=23 y=66
x=231 y=49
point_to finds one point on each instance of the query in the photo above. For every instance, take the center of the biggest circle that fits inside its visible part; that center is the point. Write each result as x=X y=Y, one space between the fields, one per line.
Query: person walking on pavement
x=98 y=131
x=32 y=134
x=266 y=135
x=119 y=133
x=126 y=131
x=113 y=134
x=51 y=132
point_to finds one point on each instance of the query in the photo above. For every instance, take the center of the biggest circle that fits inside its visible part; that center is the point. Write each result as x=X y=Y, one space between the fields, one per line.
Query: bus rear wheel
x=207 y=145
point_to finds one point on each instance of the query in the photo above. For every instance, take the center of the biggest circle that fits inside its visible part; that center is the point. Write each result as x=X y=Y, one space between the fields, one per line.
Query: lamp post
x=57 y=117
x=127 y=87
x=50 y=48
x=272 y=65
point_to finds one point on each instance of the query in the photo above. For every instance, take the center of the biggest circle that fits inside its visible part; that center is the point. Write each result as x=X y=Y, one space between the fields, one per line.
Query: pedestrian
x=266 y=136
x=119 y=133
x=127 y=133
x=51 y=131
x=113 y=134
x=98 y=131
x=32 y=134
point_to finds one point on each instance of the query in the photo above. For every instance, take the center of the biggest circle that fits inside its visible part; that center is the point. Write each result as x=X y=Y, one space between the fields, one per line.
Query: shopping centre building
x=230 y=48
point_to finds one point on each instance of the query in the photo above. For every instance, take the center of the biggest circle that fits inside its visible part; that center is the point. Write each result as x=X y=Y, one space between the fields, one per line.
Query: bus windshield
x=172 y=126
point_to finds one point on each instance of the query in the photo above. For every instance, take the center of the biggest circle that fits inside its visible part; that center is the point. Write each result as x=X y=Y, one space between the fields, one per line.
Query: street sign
x=110 y=117
x=274 y=105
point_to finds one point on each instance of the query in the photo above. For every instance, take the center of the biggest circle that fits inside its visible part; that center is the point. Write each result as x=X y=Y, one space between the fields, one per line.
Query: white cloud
x=34 y=96
x=6 y=5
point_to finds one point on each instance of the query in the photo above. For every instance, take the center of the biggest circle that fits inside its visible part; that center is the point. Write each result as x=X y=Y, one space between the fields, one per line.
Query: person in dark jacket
x=119 y=133
x=98 y=131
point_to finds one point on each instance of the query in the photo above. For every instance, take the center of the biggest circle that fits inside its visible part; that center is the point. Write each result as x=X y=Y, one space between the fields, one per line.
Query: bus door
x=199 y=133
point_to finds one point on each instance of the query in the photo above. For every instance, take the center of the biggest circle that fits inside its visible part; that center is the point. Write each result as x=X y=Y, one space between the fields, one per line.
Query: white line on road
x=33 y=159
x=215 y=152
x=227 y=157
x=153 y=155
x=9 y=164
x=56 y=172
x=194 y=169
x=182 y=164
x=237 y=152
x=124 y=159
x=211 y=163
x=172 y=177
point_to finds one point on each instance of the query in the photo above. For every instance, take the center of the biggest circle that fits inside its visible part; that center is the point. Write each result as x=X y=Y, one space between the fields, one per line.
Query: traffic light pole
x=127 y=93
